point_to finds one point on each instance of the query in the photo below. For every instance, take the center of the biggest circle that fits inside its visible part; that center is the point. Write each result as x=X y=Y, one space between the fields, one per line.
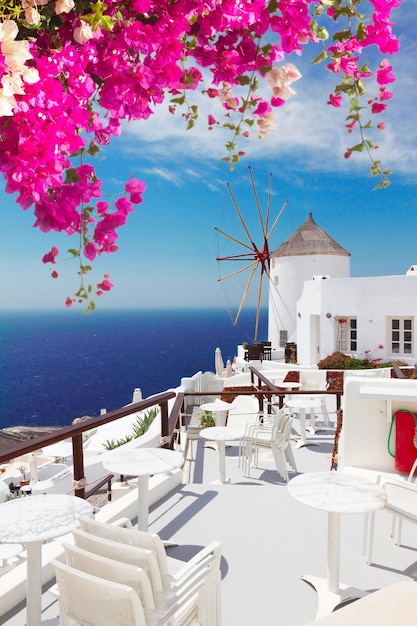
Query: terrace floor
x=269 y=539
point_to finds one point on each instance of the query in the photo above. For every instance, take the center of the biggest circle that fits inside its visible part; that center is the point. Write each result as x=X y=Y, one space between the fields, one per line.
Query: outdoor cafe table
x=219 y=408
x=143 y=463
x=221 y=434
x=336 y=493
x=300 y=403
x=31 y=520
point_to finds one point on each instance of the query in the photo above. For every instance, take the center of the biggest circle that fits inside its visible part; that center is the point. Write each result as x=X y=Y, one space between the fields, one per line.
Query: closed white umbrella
x=229 y=369
x=218 y=361
x=33 y=470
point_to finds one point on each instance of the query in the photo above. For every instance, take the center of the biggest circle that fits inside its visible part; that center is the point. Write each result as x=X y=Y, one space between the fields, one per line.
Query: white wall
x=370 y=300
x=291 y=272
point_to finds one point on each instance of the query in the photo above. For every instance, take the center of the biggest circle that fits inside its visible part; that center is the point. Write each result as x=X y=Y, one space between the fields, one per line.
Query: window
x=401 y=339
x=347 y=334
x=283 y=338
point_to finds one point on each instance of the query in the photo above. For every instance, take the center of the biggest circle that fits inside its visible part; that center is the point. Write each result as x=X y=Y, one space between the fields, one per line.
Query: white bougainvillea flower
x=279 y=79
x=16 y=72
x=8 y=30
x=64 y=6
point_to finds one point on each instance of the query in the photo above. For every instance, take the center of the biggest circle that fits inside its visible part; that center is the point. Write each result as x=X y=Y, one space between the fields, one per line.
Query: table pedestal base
x=303 y=442
x=328 y=600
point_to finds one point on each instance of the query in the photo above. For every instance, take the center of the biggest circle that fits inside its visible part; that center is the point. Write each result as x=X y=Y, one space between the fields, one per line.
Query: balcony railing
x=170 y=422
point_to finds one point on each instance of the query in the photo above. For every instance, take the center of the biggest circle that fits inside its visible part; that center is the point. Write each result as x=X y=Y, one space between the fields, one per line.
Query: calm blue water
x=56 y=366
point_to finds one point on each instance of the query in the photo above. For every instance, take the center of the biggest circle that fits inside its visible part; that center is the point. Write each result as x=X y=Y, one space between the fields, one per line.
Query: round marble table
x=143 y=463
x=221 y=434
x=31 y=520
x=219 y=408
x=336 y=493
x=300 y=403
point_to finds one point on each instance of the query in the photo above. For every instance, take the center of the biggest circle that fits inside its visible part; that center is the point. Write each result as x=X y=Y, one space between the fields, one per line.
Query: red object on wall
x=405 y=435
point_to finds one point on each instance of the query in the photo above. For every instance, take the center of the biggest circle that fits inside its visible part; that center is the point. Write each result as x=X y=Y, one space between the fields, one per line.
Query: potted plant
x=207 y=419
x=23 y=481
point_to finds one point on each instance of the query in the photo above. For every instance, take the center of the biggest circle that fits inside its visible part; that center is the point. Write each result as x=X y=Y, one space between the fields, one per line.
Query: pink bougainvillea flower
x=262 y=109
x=384 y=75
x=211 y=120
x=68 y=302
x=49 y=257
x=351 y=126
x=381 y=126
x=54 y=274
x=335 y=100
x=377 y=107
x=90 y=251
x=135 y=189
x=105 y=285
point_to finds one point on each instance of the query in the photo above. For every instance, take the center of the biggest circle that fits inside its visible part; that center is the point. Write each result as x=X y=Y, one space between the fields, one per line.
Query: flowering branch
x=72 y=70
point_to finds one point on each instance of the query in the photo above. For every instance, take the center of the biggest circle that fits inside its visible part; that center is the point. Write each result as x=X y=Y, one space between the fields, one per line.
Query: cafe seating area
x=258 y=351
x=215 y=564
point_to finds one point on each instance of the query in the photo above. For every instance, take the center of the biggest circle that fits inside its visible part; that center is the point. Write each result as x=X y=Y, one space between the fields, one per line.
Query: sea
x=56 y=366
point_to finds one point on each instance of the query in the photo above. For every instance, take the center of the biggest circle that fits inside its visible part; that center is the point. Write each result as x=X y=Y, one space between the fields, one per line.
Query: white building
x=314 y=303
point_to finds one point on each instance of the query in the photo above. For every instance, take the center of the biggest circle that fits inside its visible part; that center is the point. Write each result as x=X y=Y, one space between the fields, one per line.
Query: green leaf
x=107 y=23
x=93 y=149
x=361 y=87
x=342 y=35
x=179 y=100
x=322 y=33
x=243 y=80
x=360 y=31
x=358 y=148
x=190 y=124
x=319 y=58
x=71 y=176
x=73 y=252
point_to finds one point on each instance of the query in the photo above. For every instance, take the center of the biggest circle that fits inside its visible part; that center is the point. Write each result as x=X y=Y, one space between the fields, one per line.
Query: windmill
x=253 y=258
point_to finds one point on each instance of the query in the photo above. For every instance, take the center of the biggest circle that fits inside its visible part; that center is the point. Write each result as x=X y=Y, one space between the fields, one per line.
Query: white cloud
x=309 y=134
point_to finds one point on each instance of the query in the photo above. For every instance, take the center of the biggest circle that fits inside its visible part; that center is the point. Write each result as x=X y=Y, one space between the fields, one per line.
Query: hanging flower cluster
x=72 y=70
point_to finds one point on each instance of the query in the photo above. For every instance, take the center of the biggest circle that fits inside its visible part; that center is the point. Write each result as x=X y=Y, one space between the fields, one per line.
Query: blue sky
x=168 y=249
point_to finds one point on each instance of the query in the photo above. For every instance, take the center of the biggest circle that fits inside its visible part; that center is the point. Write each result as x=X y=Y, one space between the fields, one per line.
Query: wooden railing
x=169 y=422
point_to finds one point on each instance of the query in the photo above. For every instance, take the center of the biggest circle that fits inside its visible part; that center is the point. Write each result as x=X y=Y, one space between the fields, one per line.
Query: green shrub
x=340 y=361
x=139 y=429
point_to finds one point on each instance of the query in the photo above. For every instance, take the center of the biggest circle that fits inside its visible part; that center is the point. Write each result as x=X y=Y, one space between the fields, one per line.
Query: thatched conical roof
x=309 y=239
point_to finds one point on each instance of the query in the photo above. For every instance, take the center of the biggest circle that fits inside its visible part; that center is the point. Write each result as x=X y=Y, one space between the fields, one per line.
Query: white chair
x=86 y=599
x=176 y=611
x=262 y=435
x=281 y=449
x=401 y=502
x=173 y=573
x=243 y=414
x=315 y=380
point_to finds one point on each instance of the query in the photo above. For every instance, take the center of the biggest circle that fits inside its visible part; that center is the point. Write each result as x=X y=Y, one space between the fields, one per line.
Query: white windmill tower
x=309 y=252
